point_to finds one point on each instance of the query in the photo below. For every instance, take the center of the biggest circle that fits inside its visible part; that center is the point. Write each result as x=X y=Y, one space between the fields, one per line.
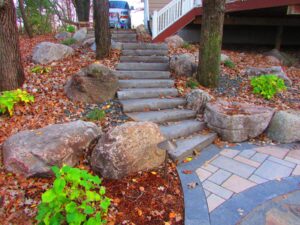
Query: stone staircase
x=118 y=35
x=147 y=93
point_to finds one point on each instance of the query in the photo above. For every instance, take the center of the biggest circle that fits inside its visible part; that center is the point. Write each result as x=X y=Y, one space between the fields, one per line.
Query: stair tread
x=152 y=59
x=144 y=46
x=142 y=74
x=135 y=93
x=181 y=129
x=186 y=147
x=135 y=105
x=163 y=115
x=129 y=66
x=146 y=83
x=144 y=52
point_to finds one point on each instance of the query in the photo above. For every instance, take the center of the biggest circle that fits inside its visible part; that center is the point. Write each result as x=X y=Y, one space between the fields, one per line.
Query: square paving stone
x=293 y=156
x=282 y=162
x=276 y=151
x=259 y=157
x=296 y=171
x=230 y=153
x=257 y=179
x=233 y=166
x=202 y=174
x=237 y=184
x=271 y=170
x=220 y=176
x=213 y=201
x=247 y=153
x=209 y=167
x=216 y=189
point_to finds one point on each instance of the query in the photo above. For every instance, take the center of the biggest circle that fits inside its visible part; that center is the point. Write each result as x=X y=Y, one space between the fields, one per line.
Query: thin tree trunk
x=11 y=70
x=211 y=42
x=102 y=31
x=25 y=21
x=82 y=10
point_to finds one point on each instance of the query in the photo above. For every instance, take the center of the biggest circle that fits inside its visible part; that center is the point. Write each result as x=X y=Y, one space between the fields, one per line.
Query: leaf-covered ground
x=144 y=198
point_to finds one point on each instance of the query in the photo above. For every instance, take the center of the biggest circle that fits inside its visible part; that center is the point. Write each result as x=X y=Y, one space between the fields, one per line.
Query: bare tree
x=82 y=10
x=11 y=70
x=211 y=42
x=24 y=18
x=102 y=31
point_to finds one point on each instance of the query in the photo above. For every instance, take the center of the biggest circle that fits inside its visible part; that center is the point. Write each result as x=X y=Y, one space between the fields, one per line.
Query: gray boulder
x=283 y=58
x=63 y=35
x=142 y=34
x=47 y=52
x=197 y=100
x=127 y=149
x=174 y=41
x=81 y=34
x=33 y=153
x=93 y=84
x=114 y=46
x=184 y=64
x=224 y=58
x=237 y=122
x=285 y=126
x=88 y=42
x=276 y=70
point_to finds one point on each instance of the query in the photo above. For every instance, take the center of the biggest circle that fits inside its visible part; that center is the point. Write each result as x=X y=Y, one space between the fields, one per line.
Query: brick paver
x=247 y=161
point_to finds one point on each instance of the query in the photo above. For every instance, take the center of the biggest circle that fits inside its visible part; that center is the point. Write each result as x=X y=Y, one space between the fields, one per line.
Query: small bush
x=267 y=85
x=40 y=69
x=96 y=114
x=69 y=41
x=186 y=45
x=70 y=29
x=191 y=83
x=76 y=198
x=8 y=99
x=228 y=63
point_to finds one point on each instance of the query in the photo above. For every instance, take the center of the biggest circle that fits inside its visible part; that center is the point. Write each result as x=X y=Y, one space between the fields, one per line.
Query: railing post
x=154 y=24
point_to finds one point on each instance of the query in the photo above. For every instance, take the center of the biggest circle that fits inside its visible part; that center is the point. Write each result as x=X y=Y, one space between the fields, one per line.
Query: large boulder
x=93 y=84
x=127 y=149
x=275 y=70
x=47 y=52
x=33 y=153
x=174 y=41
x=184 y=64
x=88 y=42
x=63 y=35
x=197 y=100
x=237 y=122
x=282 y=57
x=142 y=34
x=114 y=46
x=285 y=126
x=81 y=34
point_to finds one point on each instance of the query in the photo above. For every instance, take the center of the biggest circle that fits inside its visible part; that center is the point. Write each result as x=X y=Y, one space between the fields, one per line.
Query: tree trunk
x=102 y=31
x=82 y=10
x=11 y=70
x=24 y=18
x=211 y=42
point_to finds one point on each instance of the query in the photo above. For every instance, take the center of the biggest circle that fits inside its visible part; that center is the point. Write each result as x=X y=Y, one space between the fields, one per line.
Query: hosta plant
x=76 y=198
x=8 y=99
x=267 y=85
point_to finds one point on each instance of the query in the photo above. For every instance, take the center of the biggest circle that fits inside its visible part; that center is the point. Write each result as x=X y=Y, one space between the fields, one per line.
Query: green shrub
x=228 y=63
x=40 y=69
x=8 y=99
x=69 y=41
x=186 y=45
x=76 y=198
x=96 y=114
x=267 y=85
x=191 y=83
x=70 y=29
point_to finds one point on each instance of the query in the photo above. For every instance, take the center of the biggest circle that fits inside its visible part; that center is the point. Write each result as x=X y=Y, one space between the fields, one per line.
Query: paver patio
x=224 y=175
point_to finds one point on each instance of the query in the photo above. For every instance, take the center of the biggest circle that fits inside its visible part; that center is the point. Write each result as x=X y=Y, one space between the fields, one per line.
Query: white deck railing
x=169 y=14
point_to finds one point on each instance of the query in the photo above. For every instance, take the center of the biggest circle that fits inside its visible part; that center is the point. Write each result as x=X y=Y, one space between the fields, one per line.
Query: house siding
x=157 y=5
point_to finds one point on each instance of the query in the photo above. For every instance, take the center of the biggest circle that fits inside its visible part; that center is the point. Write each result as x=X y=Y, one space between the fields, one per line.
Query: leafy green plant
x=186 y=45
x=69 y=41
x=70 y=29
x=8 y=99
x=267 y=85
x=76 y=198
x=40 y=69
x=191 y=83
x=96 y=114
x=228 y=63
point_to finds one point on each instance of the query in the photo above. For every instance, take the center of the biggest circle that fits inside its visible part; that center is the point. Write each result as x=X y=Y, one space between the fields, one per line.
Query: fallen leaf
x=187 y=171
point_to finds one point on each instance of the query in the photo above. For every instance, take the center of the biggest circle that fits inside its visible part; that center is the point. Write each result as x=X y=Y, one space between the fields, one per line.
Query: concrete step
x=151 y=59
x=163 y=116
x=144 y=83
x=186 y=147
x=144 y=52
x=125 y=39
x=146 y=46
x=123 y=31
x=136 y=105
x=181 y=129
x=136 y=93
x=123 y=35
x=142 y=74
x=143 y=66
